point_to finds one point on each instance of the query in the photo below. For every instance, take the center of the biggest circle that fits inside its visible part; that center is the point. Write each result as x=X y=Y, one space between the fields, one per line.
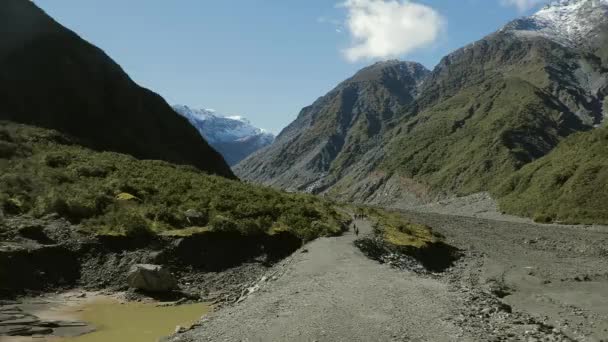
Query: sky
x=266 y=59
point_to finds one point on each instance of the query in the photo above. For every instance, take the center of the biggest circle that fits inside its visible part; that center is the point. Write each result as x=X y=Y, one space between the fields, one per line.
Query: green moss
x=111 y=193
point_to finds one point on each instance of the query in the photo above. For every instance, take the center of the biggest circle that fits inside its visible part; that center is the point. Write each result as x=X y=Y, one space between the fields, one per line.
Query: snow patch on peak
x=217 y=128
x=233 y=136
x=568 y=22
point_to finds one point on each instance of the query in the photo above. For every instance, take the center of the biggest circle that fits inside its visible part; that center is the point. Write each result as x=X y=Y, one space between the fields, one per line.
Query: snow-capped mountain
x=568 y=22
x=233 y=136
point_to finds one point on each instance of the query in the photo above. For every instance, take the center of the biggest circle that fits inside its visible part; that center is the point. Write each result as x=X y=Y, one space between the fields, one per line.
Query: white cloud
x=389 y=28
x=522 y=5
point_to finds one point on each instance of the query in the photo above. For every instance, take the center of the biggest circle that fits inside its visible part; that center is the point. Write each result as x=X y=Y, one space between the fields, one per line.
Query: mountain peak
x=390 y=69
x=568 y=22
x=233 y=136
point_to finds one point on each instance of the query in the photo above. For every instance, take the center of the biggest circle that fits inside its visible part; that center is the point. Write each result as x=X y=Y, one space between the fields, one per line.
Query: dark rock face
x=52 y=78
x=36 y=268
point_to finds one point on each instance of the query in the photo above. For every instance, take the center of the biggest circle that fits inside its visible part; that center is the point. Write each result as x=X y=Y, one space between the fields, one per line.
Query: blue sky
x=266 y=59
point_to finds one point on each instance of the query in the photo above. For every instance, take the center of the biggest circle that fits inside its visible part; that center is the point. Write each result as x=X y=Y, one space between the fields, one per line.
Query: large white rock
x=151 y=278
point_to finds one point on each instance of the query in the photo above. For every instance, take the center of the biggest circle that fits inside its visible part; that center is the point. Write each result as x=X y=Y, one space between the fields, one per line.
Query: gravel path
x=331 y=292
x=517 y=282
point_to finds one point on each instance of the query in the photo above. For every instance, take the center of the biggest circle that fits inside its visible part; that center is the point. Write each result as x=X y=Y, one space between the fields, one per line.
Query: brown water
x=135 y=322
x=112 y=319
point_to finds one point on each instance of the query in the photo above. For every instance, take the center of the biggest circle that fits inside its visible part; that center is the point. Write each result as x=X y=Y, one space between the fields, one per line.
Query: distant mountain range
x=50 y=77
x=233 y=136
x=397 y=134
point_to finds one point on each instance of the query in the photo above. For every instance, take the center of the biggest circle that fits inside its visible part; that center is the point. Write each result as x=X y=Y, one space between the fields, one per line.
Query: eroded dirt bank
x=40 y=255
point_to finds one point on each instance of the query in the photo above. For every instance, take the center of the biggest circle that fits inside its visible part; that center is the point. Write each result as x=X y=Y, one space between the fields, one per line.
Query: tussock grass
x=112 y=193
x=397 y=231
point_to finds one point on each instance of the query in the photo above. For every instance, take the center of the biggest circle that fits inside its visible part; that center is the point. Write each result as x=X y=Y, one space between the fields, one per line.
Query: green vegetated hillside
x=43 y=172
x=483 y=113
x=475 y=138
x=490 y=109
x=569 y=185
x=50 y=77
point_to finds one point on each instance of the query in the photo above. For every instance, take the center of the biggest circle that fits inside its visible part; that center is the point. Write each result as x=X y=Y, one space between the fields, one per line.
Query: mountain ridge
x=79 y=90
x=233 y=136
x=484 y=112
x=328 y=135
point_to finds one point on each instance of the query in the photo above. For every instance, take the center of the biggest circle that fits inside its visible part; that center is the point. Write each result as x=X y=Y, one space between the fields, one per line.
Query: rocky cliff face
x=52 y=78
x=485 y=111
x=331 y=135
x=233 y=136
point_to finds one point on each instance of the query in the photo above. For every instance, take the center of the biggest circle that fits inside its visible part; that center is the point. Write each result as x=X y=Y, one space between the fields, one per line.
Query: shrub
x=543 y=218
x=223 y=224
x=91 y=171
x=121 y=221
x=11 y=205
x=7 y=149
x=74 y=207
x=57 y=159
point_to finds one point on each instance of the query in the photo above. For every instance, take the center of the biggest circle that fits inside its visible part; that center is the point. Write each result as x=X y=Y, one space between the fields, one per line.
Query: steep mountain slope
x=491 y=107
x=487 y=110
x=234 y=137
x=50 y=77
x=569 y=184
x=329 y=136
x=484 y=112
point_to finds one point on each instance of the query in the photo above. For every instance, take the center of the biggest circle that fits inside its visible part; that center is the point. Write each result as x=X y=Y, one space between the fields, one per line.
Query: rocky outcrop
x=151 y=278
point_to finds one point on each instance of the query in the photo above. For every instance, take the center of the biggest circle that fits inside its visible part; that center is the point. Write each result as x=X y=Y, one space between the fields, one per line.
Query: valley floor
x=517 y=281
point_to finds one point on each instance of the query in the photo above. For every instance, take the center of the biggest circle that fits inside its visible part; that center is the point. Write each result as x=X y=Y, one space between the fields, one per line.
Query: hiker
x=356 y=230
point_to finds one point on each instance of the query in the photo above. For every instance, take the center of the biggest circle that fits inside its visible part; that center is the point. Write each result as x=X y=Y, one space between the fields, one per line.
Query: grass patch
x=116 y=194
x=395 y=239
x=397 y=231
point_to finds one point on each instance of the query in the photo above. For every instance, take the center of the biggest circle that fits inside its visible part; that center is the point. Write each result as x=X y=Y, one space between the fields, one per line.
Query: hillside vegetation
x=570 y=184
x=43 y=172
x=474 y=139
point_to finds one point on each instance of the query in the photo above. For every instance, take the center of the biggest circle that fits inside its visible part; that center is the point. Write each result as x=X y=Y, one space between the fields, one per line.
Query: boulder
x=151 y=278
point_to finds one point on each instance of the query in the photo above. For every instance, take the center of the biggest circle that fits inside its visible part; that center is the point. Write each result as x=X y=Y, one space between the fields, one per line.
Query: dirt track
x=554 y=281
